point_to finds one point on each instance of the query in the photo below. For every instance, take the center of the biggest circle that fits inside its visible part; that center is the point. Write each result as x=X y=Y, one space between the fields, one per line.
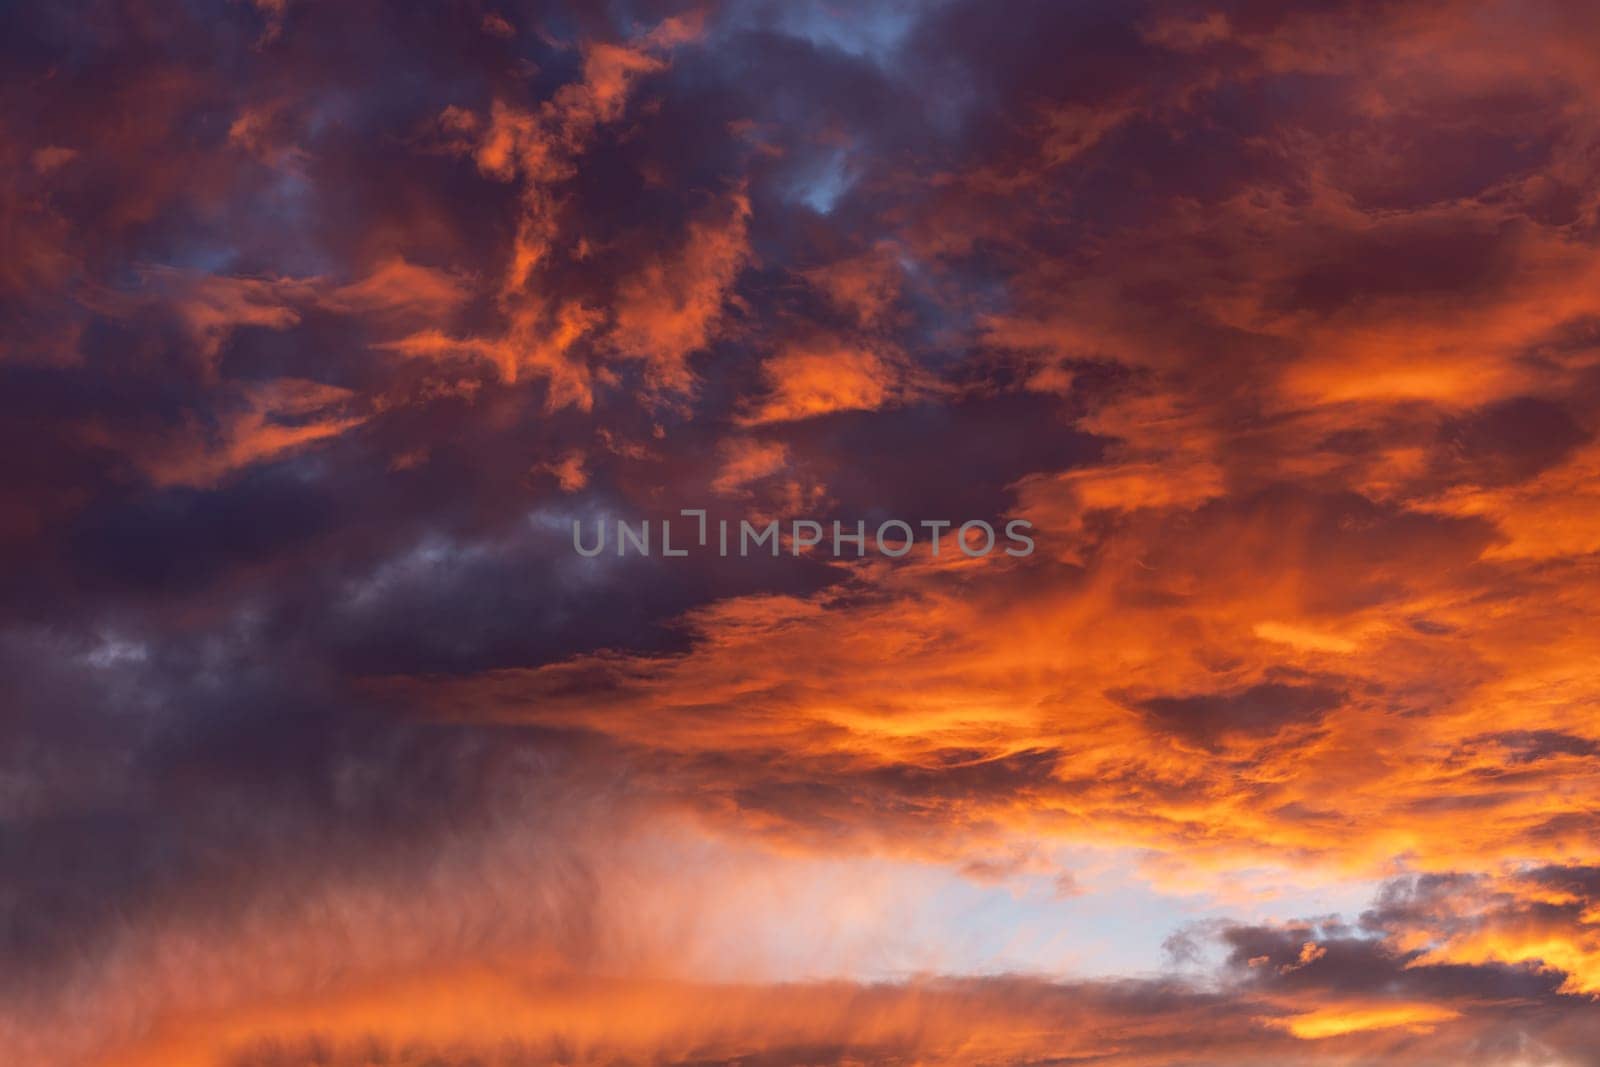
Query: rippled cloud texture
x=324 y=322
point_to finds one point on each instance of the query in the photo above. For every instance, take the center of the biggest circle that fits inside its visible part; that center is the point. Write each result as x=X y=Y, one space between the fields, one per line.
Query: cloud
x=806 y=382
x=672 y=306
x=277 y=419
x=1277 y=323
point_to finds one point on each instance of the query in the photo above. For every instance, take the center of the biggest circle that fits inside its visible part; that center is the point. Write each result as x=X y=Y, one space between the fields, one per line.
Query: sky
x=323 y=323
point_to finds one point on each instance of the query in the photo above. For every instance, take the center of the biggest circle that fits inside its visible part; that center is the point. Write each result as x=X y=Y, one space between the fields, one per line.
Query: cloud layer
x=324 y=322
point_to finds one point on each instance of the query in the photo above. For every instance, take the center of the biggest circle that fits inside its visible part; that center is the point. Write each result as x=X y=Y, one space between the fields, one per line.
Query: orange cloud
x=277 y=419
x=1276 y=323
x=809 y=381
x=672 y=306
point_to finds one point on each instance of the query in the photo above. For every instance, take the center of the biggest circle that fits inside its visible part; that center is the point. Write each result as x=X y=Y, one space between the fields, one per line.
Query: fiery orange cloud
x=326 y=325
x=808 y=382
